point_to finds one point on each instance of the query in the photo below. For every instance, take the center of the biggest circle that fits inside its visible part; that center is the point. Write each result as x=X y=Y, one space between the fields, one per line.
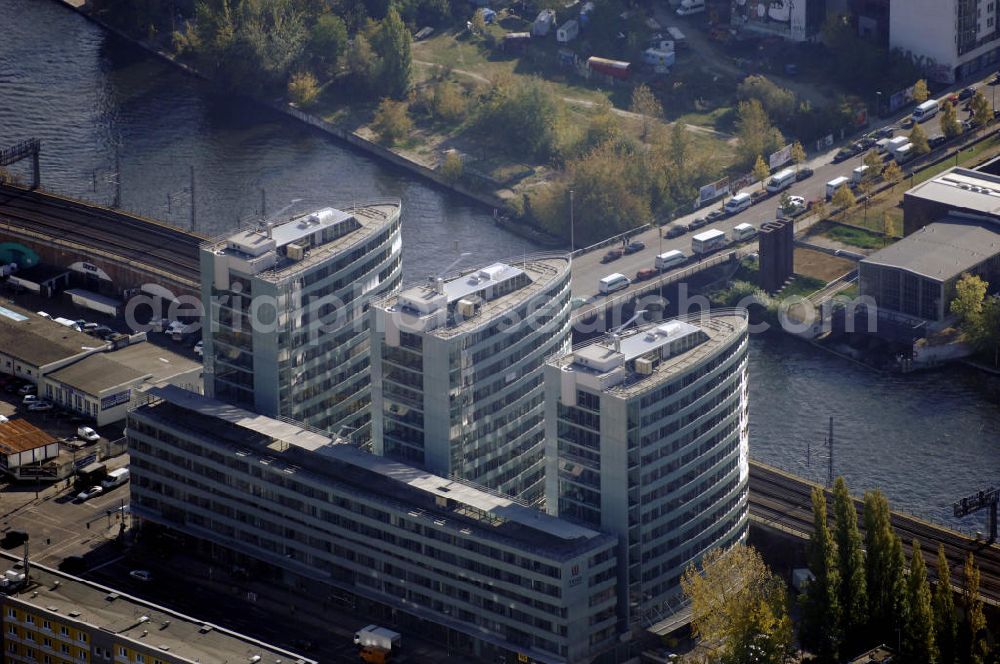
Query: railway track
x=784 y=500
x=133 y=239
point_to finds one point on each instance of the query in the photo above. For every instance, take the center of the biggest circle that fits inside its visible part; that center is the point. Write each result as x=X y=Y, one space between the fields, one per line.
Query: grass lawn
x=854 y=237
x=820 y=265
x=975 y=154
x=801 y=286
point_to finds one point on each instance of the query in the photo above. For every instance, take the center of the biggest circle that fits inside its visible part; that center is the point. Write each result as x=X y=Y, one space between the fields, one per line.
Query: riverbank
x=497 y=200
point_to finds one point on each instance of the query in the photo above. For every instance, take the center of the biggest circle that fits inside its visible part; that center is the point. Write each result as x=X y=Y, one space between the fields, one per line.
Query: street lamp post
x=572 y=240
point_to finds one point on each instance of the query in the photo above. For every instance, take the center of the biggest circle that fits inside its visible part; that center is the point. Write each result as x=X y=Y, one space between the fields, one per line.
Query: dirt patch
x=816 y=264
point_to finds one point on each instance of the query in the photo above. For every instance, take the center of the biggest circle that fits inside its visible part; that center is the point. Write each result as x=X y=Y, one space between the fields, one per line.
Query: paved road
x=588 y=270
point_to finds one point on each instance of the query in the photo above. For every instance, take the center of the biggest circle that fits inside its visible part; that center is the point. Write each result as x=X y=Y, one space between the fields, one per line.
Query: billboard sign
x=780 y=158
x=785 y=18
x=712 y=191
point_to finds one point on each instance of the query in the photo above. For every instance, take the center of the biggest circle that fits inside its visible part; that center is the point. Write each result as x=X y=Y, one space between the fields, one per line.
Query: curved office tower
x=457 y=371
x=646 y=438
x=287 y=330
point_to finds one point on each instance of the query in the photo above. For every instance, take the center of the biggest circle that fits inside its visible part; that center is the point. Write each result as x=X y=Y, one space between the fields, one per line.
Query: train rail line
x=784 y=501
x=148 y=242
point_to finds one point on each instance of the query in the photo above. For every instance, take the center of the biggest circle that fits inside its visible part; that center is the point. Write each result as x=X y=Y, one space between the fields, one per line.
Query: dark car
x=804 y=172
x=843 y=154
x=697 y=223
x=645 y=273
x=674 y=231
x=996 y=114
x=936 y=140
x=867 y=143
x=634 y=247
x=966 y=93
x=715 y=215
x=612 y=255
x=885 y=132
x=969 y=125
x=952 y=98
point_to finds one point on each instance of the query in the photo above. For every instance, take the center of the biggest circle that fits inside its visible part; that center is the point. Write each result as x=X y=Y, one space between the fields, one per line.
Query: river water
x=925 y=439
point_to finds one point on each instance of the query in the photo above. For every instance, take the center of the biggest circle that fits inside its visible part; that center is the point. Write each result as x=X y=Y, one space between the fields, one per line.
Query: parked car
x=39 y=406
x=867 y=142
x=612 y=255
x=645 y=273
x=936 y=140
x=714 y=216
x=634 y=246
x=697 y=223
x=141 y=575
x=199 y=349
x=843 y=154
x=674 y=231
x=885 y=132
x=577 y=302
x=29 y=398
x=966 y=93
x=87 y=494
x=100 y=331
x=27 y=388
x=803 y=173
x=796 y=206
x=88 y=434
x=953 y=98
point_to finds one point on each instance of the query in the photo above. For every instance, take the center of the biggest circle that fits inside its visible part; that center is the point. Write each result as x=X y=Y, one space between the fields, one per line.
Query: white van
x=115 y=478
x=669 y=259
x=926 y=110
x=691 y=7
x=614 y=282
x=782 y=180
x=738 y=203
x=743 y=232
x=833 y=185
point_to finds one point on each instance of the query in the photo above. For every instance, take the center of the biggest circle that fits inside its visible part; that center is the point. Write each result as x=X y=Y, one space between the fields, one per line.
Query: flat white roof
x=602 y=357
x=503 y=507
x=708 y=235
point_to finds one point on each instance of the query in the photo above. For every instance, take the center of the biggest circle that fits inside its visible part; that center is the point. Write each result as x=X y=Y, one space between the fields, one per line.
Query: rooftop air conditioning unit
x=644 y=366
x=295 y=252
x=466 y=308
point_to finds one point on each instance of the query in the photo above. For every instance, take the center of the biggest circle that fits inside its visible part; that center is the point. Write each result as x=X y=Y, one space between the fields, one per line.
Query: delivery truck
x=707 y=242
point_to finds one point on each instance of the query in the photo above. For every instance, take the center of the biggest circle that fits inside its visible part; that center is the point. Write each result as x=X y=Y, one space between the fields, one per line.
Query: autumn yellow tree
x=920 y=91
x=738 y=603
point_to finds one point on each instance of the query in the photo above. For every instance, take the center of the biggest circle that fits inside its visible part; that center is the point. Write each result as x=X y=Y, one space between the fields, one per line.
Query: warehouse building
x=26 y=451
x=957 y=190
x=478 y=570
x=917 y=275
x=54 y=618
x=32 y=345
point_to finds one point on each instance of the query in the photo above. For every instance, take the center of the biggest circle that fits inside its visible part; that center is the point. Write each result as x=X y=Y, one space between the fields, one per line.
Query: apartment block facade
x=952 y=39
x=457 y=371
x=495 y=577
x=646 y=438
x=286 y=326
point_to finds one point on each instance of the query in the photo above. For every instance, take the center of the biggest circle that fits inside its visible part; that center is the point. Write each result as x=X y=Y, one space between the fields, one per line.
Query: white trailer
x=568 y=31
x=833 y=185
x=379 y=637
x=543 y=23
x=707 y=242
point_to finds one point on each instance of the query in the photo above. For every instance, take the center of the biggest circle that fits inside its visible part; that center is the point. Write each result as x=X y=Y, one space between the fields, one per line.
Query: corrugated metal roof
x=942 y=250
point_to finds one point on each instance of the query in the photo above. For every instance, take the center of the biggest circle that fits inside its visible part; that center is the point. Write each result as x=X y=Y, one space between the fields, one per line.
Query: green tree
x=303 y=89
x=893 y=174
x=975 y=621
x=738 y=603
x=612 y=193
x=392 y=121
x=873 y=160
x=945 y=621
x=821 y=603
x=680 y=147
x=917 y=639
x=451 y=168
x=448 y=103
x=884 y=567
x=853 y=594
x=798 y=155
x=843 y=198
x=645 y=103
x=819 y=209
x=982 y=114
x=327 y=43
x=755 y=133
x=761 y=171
x=521 y=117
x=478 y=23
x=919 y=139
x=785 y=203
x=778 y=102
x=950 y=125
x=920 y=91
x=361 y=64
x=977 y=314
x=393 y=44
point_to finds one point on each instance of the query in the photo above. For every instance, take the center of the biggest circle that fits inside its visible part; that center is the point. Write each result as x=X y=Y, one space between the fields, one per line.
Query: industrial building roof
x=144 y=624
x=95 y=374
x=942 y=250
x=963 y=189
x=39 y=341
x=19 y=435
x=158 y=364
x=500 y=508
